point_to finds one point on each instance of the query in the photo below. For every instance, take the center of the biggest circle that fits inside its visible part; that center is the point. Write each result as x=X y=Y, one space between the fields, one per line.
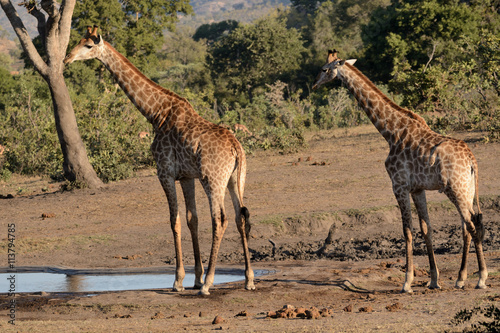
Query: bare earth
x=339 y=185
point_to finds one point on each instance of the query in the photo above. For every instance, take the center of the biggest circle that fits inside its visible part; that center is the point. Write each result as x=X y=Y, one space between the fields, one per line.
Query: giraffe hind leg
x=472 y=229
x=219 y=225
x=243 y=223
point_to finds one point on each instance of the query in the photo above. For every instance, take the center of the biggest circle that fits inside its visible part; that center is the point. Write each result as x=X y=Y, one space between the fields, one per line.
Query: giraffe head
x=329 y=70
x=88 y=48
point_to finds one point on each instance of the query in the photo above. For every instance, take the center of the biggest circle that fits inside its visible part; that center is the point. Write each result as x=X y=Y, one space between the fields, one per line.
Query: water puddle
x=60 y=280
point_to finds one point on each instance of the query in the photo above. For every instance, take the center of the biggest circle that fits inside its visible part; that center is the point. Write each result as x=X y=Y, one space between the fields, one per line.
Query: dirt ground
x=337 y=186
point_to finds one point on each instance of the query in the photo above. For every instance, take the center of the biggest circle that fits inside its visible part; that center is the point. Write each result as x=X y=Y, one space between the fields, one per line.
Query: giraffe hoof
x=406 y=291
x=433 y=286
x=250 y=286
x=178 y=287
x=481 y=286
x=460 y=284
x=203 y=292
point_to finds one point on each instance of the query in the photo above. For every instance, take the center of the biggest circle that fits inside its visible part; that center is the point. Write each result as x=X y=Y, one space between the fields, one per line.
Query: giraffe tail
x=241 y=177
x=477 y=218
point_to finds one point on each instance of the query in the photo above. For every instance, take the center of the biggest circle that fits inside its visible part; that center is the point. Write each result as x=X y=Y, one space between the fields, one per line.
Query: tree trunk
x=76 y=165
x=55 y=30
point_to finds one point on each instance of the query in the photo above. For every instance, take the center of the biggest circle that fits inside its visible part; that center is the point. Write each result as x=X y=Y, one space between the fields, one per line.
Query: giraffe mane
x=373 y=87
x=159 y=118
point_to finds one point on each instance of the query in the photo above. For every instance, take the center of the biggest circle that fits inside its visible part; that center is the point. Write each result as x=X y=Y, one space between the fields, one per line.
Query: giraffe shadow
x=345 y=284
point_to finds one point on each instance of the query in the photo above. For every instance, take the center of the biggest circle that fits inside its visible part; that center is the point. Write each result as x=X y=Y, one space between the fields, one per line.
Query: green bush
x=481 y=325
x=109 y=125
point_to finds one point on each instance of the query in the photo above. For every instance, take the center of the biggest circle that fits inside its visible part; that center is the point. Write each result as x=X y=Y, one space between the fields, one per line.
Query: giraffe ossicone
x=185 y=147
x=419 y=160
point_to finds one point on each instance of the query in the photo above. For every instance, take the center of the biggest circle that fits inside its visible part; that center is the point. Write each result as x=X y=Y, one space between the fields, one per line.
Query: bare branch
x=24 y=37
x=32 y=8
x=66 y=9
x=431 y=56
x=50 y=7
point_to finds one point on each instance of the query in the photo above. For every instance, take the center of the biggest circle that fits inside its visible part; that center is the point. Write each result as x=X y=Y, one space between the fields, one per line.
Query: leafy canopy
x=257 y=54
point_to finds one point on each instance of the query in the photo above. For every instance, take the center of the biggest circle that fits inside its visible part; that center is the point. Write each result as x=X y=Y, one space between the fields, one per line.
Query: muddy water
x=54 y=280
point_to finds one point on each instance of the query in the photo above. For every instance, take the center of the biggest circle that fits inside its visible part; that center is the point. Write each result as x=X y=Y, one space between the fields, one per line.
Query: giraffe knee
x=245 y=220
x=477 y=219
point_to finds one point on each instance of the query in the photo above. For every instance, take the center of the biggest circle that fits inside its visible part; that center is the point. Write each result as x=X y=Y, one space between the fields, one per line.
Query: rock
x=218 y=320
x=348 y=308
x=158 y=315
x=367 y=308
x=313 y=313
x=243 y=313
x=394 y=307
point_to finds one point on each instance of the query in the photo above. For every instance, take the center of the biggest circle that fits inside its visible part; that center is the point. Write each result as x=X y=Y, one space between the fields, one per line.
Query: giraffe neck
x=156 y=103
x=391 y=120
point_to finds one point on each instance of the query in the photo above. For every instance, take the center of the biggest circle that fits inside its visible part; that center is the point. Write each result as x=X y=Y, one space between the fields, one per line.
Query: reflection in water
x=51 y=282
x=75 y=283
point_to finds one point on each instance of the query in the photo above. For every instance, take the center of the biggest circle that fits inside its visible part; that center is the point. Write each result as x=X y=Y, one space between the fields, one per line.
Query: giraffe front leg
x=404 y=205
x=179 y=266
x=462 y=273
x=425 y=226
x=188 y=189
x=168 y=185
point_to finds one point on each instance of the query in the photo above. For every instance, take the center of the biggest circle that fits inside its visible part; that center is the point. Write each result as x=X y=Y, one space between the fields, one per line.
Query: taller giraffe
x=185 y=147
x=419 y=160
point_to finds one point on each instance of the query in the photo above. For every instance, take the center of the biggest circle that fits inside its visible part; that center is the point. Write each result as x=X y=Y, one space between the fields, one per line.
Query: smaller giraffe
x=419 y=160
x=186 y=147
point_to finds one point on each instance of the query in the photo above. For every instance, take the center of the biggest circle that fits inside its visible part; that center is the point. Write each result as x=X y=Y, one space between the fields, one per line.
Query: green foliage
x=108 y=123
x=254 y=55
x=338 y=109
x=440 y=57
x=212 y=32
x=7 y=85
x=337 y=24
x=135 y=28
x=28 y=128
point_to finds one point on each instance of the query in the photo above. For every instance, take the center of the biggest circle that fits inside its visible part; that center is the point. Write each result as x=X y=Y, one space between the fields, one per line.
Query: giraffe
x=185 y=147
x=419 y=160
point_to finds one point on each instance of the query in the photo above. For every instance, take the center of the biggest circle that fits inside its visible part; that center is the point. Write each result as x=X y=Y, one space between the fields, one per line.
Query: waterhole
x=26 y=280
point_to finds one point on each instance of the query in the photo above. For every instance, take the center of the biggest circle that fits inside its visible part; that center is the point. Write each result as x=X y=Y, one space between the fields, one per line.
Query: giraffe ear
x=351 y=61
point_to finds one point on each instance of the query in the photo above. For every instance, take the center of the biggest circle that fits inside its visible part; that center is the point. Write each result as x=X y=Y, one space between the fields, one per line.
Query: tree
x=253 y=55
x=54 y=31
x=337 y=25
x=212 y=32
x=134 y=27
x=408 y=35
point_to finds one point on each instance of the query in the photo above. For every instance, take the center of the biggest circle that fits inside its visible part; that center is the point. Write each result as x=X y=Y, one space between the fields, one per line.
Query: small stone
x=367 y=308
x=326 y=312
x=348 y=308
x=218 y=320
x=394 y=307
x=243 y=313
x=158 y=315
x=271 y=314
x=313 y=313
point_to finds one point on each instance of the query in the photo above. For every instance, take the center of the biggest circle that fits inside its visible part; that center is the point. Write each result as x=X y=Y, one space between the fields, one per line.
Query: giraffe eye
x=88 y=46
